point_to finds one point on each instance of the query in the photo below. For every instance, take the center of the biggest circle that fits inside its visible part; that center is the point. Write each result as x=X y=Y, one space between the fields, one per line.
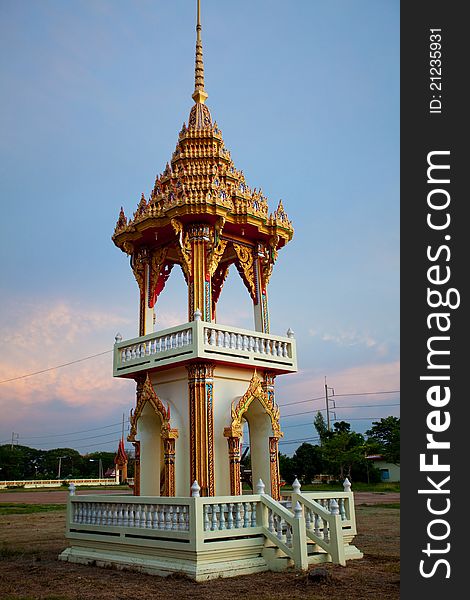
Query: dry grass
x=29 y=569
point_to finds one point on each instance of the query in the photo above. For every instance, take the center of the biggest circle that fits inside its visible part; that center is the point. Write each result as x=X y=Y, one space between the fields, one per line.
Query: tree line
x=23 y=463
x=342 y=453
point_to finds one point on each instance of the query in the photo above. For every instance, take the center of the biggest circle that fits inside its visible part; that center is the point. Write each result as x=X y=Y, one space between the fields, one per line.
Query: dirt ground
x=29 y=569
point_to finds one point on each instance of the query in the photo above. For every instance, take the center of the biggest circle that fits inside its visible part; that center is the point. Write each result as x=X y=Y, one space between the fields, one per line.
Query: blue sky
x=93 y=96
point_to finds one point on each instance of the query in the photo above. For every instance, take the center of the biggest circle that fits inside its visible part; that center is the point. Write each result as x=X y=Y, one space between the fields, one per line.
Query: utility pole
x=327 y=400
x=14 y=439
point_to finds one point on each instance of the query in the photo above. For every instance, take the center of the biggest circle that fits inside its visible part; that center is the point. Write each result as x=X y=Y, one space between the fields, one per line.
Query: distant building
x=389 y=472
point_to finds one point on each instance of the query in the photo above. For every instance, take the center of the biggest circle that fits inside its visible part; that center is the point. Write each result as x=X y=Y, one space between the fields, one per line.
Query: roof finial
x=200 y=95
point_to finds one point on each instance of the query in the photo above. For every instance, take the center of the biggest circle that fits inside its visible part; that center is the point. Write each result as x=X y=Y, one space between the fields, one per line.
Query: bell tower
x=198 y=383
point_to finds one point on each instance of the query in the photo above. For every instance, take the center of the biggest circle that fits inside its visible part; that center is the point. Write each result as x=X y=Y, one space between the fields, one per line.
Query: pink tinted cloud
x=53 y=335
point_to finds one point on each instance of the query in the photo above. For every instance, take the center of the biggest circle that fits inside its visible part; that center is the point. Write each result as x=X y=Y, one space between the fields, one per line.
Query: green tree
x=286 y=468
x=321 y=427
x=343 y=450
x=307 y=462
x=386 y=434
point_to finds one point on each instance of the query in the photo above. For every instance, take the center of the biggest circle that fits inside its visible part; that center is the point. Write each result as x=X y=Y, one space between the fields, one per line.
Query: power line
x=38 y=437
x=303 y=401
x=73 y=362
x=369 y=393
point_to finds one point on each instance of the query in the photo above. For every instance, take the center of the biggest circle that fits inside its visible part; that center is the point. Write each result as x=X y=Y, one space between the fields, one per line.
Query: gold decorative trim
x=245 y=265
x=256 y=391
x=201 y=426
x=274 y=468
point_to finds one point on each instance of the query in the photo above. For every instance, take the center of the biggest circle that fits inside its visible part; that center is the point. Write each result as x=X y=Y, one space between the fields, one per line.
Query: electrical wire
x=73 y=362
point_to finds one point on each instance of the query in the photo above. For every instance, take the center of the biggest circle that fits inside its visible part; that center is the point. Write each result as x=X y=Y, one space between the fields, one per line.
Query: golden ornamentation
x=274 y=468
x=255 y=391
x=201 y=426
x=146 y=393
x=245 y=267
x=184 y=248
x=156 y=265
x=234 y=465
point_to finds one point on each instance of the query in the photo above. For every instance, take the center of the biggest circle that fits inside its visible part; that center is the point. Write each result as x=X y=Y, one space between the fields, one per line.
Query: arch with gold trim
x=263 y=391
x=146 y=394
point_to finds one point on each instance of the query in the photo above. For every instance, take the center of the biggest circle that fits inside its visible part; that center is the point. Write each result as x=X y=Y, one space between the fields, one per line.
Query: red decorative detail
x=208 y=277
x=121 y=456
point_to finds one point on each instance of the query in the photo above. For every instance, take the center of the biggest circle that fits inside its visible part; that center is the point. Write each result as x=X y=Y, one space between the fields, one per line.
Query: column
x=136 y=445
x=199 y=284
x=169 y=466
x=274 y=467
x=201 y=420
x=261 y=305
x=234 y=465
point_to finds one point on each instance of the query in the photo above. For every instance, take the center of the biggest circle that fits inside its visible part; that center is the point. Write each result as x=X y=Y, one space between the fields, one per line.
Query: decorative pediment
x=256 y=391
x=146 y=393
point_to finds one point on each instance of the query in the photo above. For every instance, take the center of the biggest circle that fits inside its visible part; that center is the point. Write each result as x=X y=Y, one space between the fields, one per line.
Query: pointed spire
x=200 y=95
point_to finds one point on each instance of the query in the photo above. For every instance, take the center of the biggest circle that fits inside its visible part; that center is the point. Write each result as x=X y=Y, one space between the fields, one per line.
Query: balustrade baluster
x=150 y=510
x=326 y=536
x=238 y=519
x=280 y=535
x=190 y=337
x=222 y=516
x=214 y=517
x=137 y=515
x=183 y=526
x=212 y=338
x=125 y=516
x=317 y=525
x=270 y=520
x=93 y=513
x=261 y=346
x=123 y=356
x=308 y=518
x=147 y=347
x=206 y=518
x=253 y=514
x=227 y=340
x=143 y=517
x=161 y=517
x=169 y=517
x=342 y=509
x=288 y=536
x=230 y=516
x=246 y=516
x=245 y=342
x=256 y=345
x=131 y=515
x=284 y=350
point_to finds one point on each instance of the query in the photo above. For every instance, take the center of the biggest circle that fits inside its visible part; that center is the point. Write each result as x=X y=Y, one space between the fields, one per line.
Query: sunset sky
x=94 y=93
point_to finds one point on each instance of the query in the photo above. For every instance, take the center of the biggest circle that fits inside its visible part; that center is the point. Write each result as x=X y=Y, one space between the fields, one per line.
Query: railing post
x=336 y=535
x=299 y=539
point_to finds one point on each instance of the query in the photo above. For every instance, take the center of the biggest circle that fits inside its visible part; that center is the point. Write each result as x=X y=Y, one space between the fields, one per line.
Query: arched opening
x=149 y=428
x=171 y=307
x=234 y=306
x=260 y=430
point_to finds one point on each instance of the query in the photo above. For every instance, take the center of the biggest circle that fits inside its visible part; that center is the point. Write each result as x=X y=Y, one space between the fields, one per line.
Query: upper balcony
x=201 y=340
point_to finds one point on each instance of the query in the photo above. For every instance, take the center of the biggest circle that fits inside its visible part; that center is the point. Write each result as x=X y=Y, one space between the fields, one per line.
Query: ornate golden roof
x=202 y=184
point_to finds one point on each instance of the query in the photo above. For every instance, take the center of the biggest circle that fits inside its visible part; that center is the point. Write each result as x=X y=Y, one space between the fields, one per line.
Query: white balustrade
x=120 y=514
x=157 y=345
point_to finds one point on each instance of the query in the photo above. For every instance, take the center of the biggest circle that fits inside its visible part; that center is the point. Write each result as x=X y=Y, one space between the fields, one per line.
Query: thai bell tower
x=199 y=382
